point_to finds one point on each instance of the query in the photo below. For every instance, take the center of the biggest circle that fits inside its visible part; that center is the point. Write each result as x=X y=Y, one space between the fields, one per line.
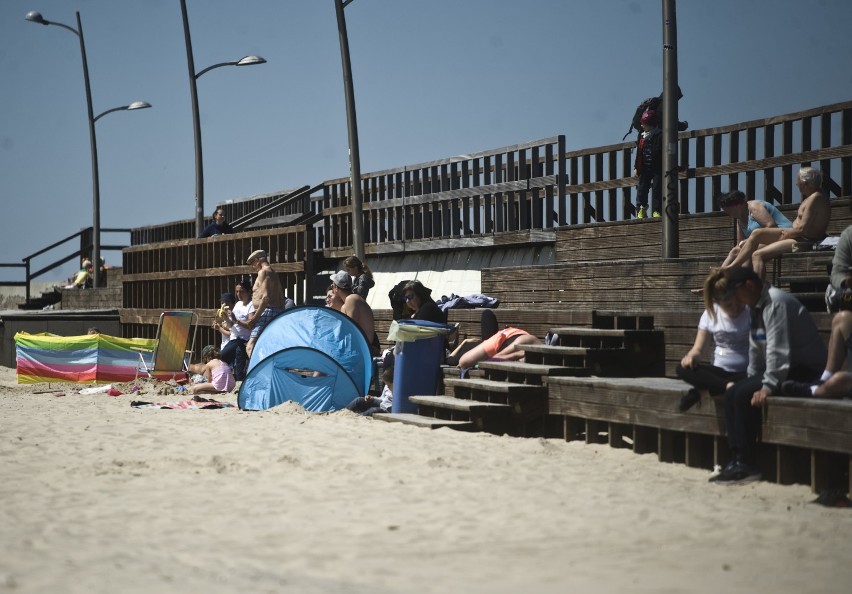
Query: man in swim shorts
x=267 y=297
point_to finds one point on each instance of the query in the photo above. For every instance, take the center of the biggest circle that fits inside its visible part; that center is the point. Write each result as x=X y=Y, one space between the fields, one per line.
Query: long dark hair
x=355 y=262
x=423 y=292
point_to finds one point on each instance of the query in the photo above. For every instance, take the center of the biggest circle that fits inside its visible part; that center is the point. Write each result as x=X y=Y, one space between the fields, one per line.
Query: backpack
x=651 y=103
x=654 y=104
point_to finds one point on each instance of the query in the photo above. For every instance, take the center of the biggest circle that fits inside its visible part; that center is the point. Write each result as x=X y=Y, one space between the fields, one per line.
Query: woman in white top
x=727 y=323
x=234 y=354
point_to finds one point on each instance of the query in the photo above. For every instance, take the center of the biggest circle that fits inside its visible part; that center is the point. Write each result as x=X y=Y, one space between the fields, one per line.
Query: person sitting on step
x=726 y=322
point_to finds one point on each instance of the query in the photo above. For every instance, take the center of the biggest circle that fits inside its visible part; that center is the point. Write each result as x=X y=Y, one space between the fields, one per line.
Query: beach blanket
x=201 y=403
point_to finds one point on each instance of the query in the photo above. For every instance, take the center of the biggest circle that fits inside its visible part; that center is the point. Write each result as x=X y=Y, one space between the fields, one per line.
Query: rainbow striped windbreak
x=90 y=359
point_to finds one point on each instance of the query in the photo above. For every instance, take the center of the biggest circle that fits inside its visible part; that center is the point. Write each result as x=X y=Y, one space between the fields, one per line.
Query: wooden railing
x=502 y=191
x=235 y=210
x=538 y=186
x=520 y=193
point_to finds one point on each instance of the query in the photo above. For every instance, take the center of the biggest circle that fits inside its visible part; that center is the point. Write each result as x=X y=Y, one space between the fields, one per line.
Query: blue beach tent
x=315 y=356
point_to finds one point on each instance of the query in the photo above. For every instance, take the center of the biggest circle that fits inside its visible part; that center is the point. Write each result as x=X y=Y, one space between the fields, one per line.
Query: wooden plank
x=459 y=404
x=421 y=421
x=491 y=386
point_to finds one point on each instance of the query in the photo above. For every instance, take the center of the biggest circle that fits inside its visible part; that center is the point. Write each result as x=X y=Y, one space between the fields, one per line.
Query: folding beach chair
x=173 y=347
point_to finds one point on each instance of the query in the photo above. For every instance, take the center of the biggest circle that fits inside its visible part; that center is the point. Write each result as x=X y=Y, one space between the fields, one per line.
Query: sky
x=432 y=79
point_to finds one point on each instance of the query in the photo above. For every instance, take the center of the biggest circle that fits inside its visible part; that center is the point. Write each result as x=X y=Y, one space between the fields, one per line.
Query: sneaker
x=736 y=473
x=656 y=214
x=642 y=212
x=689 y=400
x=796 y=389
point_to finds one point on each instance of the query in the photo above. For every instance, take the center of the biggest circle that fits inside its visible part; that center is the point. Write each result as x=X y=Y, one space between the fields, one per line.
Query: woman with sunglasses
x=420 y=305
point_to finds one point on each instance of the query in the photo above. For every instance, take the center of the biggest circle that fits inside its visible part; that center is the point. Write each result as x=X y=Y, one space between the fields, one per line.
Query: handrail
x=280 y=202
x=82 y=233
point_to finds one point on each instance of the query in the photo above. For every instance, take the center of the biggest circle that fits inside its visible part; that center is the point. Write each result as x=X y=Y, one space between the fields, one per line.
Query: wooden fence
x=191 y=274
x=540 y=186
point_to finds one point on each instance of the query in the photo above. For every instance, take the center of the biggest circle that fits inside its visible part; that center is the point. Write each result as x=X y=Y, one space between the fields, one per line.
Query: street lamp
x=352 y=128
x=35 y=17
x=196 y=120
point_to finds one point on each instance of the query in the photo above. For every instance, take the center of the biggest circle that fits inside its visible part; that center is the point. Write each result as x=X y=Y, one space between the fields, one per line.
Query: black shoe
x=736 y=473
x=689 y=400
x=796 y=389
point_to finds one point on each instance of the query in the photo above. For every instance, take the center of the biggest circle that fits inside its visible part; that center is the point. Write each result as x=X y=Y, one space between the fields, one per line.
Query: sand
x=102 y=497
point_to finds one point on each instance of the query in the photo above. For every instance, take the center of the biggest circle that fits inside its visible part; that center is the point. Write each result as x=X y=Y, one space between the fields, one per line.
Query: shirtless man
x=267 y=297
x=809 y=226
x=354 y=306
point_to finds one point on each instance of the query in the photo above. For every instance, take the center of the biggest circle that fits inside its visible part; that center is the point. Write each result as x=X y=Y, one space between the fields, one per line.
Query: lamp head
x=138 y=105
x=34 y=16
x=249 y=60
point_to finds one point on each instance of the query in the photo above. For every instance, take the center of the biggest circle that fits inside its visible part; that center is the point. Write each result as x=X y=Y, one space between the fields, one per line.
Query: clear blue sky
x=433 y=78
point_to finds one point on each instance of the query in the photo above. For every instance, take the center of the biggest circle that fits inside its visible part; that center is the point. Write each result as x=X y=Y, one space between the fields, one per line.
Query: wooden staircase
x=512 y=397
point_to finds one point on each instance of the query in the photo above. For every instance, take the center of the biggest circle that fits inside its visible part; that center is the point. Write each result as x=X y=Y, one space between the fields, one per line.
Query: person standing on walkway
x=649 y=167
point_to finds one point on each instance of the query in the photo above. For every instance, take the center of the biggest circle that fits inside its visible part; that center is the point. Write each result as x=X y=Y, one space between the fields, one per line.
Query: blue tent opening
x=315 y=356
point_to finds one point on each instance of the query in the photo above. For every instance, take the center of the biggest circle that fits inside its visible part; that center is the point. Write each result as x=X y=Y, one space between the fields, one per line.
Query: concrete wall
x=447 y=272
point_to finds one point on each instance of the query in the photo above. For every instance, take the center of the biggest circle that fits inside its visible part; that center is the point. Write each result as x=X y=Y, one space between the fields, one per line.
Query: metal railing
x=85 y=249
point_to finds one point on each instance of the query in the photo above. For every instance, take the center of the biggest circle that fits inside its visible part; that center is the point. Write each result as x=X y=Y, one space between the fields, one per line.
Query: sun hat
x=257 y=254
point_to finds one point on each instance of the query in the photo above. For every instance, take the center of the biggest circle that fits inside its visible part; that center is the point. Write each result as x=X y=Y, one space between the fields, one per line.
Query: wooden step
x=493 y=387
x=491 y=417
x=528 y=401
x=645 y=401
x=457 y=404
x=421 y=421
x=628 y=320
x=528 y=373
x=645 y=356
x=586 y=331
x=450 y=371
x=809 y=280
x=594 y=361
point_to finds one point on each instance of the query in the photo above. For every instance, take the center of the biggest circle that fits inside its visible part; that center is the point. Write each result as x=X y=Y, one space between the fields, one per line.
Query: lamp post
x=35 y=17
x=196 y=120
x=352 y=127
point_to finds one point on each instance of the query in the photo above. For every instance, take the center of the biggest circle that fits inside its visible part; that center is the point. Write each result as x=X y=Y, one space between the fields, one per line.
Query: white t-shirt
x=730 y=336
x=241 y=312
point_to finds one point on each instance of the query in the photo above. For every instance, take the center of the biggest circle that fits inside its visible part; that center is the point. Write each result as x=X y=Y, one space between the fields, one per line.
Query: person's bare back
x=361 y=313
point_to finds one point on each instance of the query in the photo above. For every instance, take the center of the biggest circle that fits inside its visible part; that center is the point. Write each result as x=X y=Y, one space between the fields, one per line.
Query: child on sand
x=219 y=376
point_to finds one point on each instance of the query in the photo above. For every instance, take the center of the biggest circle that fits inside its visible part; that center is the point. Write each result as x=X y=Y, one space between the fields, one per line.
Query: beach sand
x=102 y=497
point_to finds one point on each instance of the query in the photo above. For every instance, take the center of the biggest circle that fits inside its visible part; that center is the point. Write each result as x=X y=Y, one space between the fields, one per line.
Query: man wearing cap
x=267 y=296
x=784 y=345
x=354 y=306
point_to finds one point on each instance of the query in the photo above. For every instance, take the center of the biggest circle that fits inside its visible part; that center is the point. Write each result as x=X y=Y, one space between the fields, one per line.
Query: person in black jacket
x=218 y=227
x=649 y=167
x=420 y=305
x=361 y=274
